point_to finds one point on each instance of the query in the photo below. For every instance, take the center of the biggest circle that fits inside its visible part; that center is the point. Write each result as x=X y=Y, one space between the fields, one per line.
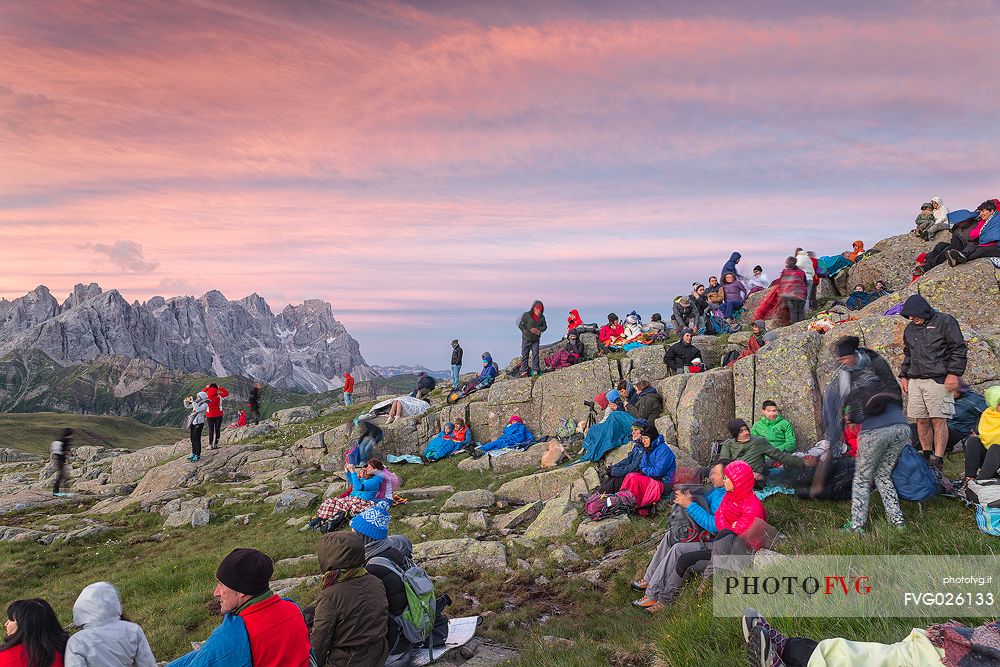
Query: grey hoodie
x=106 y=640
x=198 y=408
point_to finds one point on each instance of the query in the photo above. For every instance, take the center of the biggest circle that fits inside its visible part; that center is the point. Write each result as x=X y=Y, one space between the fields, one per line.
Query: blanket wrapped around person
x=515 y=436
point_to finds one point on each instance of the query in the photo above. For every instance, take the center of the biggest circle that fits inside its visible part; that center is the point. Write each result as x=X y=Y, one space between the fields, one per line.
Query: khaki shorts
x=927 y=398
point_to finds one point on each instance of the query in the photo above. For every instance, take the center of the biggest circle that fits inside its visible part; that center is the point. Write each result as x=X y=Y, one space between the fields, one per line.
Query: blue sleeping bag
x=613 y=432
x=514 y=436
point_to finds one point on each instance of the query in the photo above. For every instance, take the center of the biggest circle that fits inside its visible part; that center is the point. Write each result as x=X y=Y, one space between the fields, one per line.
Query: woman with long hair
x=34 y=636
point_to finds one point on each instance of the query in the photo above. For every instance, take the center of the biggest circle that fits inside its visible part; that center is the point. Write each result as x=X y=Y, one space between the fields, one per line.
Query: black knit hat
x=735 y=426
x=246 y=571
x=848 y=345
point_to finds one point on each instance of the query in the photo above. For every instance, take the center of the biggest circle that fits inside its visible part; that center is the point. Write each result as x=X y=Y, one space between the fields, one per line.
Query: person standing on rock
x=531 y=324
x=60 y=450
x=793 y=290
x=934 y=360
x=348 y=389
x=196 y=422
x=213 y=417
x=253 y=402
x=258 y=629
x=456 y=363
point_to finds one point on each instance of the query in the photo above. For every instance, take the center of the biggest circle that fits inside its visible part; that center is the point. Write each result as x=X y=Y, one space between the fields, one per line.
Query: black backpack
x=680 y=526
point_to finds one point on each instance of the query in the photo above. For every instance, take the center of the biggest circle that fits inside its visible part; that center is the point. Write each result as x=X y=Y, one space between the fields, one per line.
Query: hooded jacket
x=199 y=408
x=348 y=383
x=989 y=422
x=968 y=407
x=528 y=322
x=574 y=320
x=351 y=616
x=941 y=212
x=684 y=314
x=489 y=372
x=215 y=396
x=730 y=267
x=735 y=290
x=989 y=234
x=756 y=452
x=740 y=508
x=778 y=432
x=804 y=262
x=394 y=590
x=852 y=389
x=859 y=247
x=680 y=354
x=659 y=462
x=106 y=640
x=933 y=349
x=648 y=405
x=609 y=331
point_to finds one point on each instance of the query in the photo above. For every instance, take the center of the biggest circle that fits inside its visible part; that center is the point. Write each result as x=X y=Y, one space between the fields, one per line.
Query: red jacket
x=609 y=331
x=277 y=632
x=348 y=383
x=573 y=321
x=215 y=397
x=16 y=656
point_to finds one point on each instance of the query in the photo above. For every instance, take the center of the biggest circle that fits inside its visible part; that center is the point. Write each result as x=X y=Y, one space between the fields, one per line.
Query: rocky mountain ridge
x=302 y=348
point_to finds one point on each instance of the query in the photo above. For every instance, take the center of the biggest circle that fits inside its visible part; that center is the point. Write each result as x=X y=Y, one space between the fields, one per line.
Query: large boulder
x=294 y=415
x=293 y=499
x=461 y=551
x=233 y=435
x=646 y=363
x=601 y=532
x=131 y=467
x=892 y=263
x=557 y=517
x=783 y=371
x=518 y=518
x=561 y=393
x=474 y=499
x=704 y=410
x=542 y=486
x=529 y=458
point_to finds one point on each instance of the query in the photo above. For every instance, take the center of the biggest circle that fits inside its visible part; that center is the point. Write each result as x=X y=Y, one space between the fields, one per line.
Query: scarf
x=344 y=575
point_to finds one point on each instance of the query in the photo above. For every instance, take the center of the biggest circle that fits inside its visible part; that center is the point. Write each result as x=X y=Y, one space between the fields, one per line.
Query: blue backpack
x=913 y=477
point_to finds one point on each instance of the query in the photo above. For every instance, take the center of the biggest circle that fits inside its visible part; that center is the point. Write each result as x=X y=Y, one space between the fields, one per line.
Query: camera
x=589 y=404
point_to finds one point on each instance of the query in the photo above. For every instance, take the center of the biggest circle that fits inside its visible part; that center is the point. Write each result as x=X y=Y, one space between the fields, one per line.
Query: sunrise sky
x=431 y=168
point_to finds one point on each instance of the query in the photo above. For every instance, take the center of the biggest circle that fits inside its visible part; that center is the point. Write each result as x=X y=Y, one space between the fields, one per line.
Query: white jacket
x=804 y=262
x=941 y=212
x=760 y=281
x=106 y=640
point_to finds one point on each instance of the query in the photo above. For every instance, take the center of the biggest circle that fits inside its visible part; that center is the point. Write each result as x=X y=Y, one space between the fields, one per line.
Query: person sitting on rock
x=698 y=298
x=756 y=451
x=258 y=627
x=660 y=583
x=774 y=428
x=686 y=314
x=678 y=357
x=982 y=450
x=735 y=293
x=425 y=385
x=927 y=224
x=754 y=343
x=107 y=638
x=656 y=470
x=515 y=436
x=714 y=295
x=741 y=524
x=656 y=325
x=443 y=444
x=648 y=404
x=963 y=224
x=369 y=438
x=986 y=234
x=352 y=614
x=633 y=327
x=616 y=473
x=365 y=485
x=385 y=556
x=730 y=267
x=969 y=406
x=611 y=334
x=758 y=281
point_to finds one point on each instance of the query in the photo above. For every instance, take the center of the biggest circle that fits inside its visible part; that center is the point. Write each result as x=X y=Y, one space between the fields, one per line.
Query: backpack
x=714 y=449
x=417 y=620
x=680 y=526
x=984 y=492
x=729 y=357
x=600 y=506
x=913 y=477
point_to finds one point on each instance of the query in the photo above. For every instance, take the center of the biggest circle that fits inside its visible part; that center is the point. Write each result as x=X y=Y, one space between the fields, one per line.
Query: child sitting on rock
x=365 y=485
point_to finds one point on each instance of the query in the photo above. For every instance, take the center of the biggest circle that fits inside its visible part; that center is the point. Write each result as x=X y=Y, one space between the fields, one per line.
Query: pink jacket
x=390 y=482
x=740 y=508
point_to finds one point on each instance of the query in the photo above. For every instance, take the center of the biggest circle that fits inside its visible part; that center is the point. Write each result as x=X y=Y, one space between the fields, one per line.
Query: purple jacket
x=735 y=291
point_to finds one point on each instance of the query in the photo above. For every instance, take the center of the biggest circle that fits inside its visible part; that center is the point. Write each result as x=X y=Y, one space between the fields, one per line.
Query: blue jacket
x=227 y=646
x=730 y=267
x=990 y=232
x=488 y=375
x=706 y=518
x=659 y=462
x=364 y=488
x=629 y=464
x=968 y=407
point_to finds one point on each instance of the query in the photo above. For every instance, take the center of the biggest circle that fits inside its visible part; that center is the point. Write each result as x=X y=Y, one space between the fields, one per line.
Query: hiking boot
x=955 y=257
x=936 y=461
x=645 y=602
x=639 y=585
x=761 y=651
x=751 y=618
x=655 y=608
x=851 y=528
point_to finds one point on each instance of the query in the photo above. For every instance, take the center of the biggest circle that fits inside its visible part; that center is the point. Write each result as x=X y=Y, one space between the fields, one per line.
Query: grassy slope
x=34 y=432
x=167 y=585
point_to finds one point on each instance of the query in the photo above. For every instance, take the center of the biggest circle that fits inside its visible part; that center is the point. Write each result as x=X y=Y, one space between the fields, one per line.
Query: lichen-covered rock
x=462 y=551
x=557 y=517
x=783 y=371
x=529 y=458
x=295 y=499
x=561 y=394
x=704 y=410
x=519 y=518
x=647 y=363
x=541 y=486
x=892 y=263
x=473 y=499
x=233 y=435
x=601 y=532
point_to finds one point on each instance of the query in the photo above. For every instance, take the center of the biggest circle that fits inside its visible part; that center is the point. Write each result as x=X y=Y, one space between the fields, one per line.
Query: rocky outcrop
x=302 y=348
x=462 y=552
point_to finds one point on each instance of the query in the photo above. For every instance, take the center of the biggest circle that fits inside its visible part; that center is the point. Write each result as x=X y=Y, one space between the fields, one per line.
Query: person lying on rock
x=647 y=404
x=757 y=452
x=774 y=428
x=741 y=522
x=660 y=584
x=678 y=357
x=365 y=485
x=352 y=614
x=515 y=436
x=656 y=470
x=258 y=627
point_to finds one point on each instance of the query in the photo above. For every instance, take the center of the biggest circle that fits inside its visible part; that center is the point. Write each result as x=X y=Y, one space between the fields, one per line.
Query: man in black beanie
x=259 y=629
x=757 y=451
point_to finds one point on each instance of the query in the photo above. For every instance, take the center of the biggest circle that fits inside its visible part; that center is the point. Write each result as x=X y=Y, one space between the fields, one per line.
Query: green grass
x=34 y=432
x=166 y=585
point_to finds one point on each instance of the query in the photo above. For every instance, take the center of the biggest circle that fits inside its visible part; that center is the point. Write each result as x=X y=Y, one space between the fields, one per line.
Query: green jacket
x=755 y=451
x=778 y=432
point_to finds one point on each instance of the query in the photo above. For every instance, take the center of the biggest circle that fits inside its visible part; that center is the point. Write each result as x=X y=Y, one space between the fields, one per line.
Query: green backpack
x=417 y=620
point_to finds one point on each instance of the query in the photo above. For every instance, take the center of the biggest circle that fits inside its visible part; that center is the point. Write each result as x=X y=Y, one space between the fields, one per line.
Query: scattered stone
x=426 y=492
x=565 y=554
x=556 y=643
x=288 y=485
x=298 y=560
x=417 y=521
x=243 y=519
x=287 y=501
x=200 y=518
x=542 y=486
x=478 y=520
x=519 y=517
x=601 y=532
x=556 y=517
x=282 y=587
x=297 y=521
x=475 y=499
x=334 y=489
